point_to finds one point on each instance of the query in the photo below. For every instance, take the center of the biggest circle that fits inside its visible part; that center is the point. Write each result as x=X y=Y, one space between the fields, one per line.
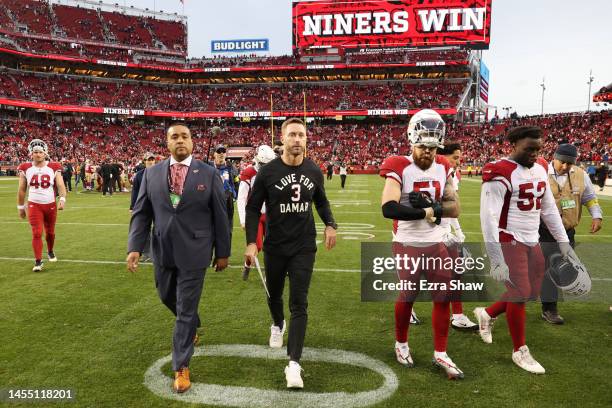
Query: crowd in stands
x=27 y=17
x=362 y=146
x=60 y=89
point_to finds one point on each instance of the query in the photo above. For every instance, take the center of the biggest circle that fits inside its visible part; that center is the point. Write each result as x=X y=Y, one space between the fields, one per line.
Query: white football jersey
x=525 y=190
x=41 y=181
x=247 y=180
x=412 y=178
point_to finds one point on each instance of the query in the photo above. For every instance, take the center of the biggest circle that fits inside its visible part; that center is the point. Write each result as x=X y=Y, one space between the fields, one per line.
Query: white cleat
x=485 y=324
x=402 y=354
x=444 y=362
x=414 y=319
x=38 y=265
x=523 y=359
x=293 y=375
x=51 y=256
x=462 y=322
x=276 y=336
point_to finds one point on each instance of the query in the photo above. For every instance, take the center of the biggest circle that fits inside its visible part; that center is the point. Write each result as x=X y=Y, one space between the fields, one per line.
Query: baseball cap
x=220 y=149
x=148 y=155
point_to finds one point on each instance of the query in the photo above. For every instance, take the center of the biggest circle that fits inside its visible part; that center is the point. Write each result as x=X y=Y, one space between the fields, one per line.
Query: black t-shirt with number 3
x=288 y=192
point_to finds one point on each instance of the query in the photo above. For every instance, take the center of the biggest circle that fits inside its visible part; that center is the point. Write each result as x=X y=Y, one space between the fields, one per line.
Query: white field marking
x=348 y=192
x=9 y=178
x=96 y=262
x=236 y=396
x=319 y=230
x=349 y=226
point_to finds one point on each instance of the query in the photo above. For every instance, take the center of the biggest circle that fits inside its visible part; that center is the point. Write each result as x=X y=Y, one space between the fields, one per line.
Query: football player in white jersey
x=42 y=179
x=418 y=193
x=264 y=155
x=515 y=196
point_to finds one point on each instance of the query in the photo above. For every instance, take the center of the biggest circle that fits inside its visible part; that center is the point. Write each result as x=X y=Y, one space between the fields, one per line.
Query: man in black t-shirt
x=288 y=185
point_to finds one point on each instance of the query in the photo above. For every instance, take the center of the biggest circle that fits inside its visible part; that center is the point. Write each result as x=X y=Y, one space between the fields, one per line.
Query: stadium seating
x=128 y=30
x=32 y=13
x=363 y=146
x=87 y=27
x=61 y=90
x=108 y=28
x=171 y=33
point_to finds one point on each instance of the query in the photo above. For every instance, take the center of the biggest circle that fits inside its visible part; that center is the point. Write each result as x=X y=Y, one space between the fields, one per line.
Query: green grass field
x=86 y=323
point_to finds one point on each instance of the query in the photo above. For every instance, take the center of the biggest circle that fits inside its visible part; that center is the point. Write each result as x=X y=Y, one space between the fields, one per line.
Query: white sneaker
x=485 y=324
x=38 y=265
x=523 y=359
x=414 y=319
x=402 y=354
x=276 y=336
x=293 y=375
x=462 y=322
x=444 y=362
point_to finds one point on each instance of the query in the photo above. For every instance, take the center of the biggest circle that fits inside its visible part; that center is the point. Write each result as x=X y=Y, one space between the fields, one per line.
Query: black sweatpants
x=549 y=293
x=299 y=269
x=343 y=180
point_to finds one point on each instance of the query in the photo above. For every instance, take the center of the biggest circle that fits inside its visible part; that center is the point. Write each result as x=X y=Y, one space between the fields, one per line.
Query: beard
x=424 y=162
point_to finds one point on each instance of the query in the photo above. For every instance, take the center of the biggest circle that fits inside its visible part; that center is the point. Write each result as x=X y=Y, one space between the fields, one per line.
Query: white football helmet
x=264 y=155
x=569 y=274
x=37 y=145
x=427 y=128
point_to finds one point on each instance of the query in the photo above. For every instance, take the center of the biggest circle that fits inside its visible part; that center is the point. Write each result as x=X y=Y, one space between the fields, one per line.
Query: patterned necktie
x=178 y=173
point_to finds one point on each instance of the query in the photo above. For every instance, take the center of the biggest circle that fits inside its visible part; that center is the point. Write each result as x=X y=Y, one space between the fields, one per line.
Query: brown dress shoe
x=552 y=317
x=181 y=380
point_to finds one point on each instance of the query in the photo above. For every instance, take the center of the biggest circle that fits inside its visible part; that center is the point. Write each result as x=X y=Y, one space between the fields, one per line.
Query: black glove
x=420 y=200
x=437 y=209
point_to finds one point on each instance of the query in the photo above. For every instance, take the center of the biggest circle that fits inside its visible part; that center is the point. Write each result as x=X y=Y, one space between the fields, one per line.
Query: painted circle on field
x=236 y=396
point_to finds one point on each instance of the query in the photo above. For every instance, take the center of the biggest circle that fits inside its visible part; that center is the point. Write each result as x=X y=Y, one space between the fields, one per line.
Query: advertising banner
x=391 y=23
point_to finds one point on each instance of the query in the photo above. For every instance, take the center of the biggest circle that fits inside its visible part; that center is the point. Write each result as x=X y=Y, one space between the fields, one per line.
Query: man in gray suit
x=184 y=199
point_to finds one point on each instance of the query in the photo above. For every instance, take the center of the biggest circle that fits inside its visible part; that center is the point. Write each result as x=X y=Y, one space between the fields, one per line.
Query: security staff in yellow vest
x=572 y=189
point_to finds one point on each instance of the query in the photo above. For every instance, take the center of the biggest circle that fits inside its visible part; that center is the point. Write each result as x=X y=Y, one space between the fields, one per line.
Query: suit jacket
x=184 y=236
x=136 y=187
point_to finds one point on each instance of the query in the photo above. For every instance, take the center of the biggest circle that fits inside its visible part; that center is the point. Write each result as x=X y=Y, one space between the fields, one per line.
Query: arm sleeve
x=142 y=217
x=491 y=203
x=589 y=199
x=396 y=211
x=253 y=209
x=322 y=203
x=551 y=217
x=243 y=194
x=218 y=206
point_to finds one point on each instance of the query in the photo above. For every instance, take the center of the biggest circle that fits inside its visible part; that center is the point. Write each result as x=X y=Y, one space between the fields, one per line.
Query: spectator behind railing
x=359 y=145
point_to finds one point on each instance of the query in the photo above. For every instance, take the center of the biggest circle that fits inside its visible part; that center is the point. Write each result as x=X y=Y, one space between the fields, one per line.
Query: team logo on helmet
x=37 y=145
x=427 y=128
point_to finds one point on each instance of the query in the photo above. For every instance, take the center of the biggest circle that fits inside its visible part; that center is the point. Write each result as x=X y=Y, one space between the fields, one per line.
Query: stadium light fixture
x=590 y=84
x=543 y=85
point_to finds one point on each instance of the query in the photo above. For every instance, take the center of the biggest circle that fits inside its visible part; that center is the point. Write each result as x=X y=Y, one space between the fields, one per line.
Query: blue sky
x=561 y=40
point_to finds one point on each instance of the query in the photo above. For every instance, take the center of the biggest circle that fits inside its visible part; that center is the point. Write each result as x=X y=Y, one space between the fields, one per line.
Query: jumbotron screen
x=388 y=23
